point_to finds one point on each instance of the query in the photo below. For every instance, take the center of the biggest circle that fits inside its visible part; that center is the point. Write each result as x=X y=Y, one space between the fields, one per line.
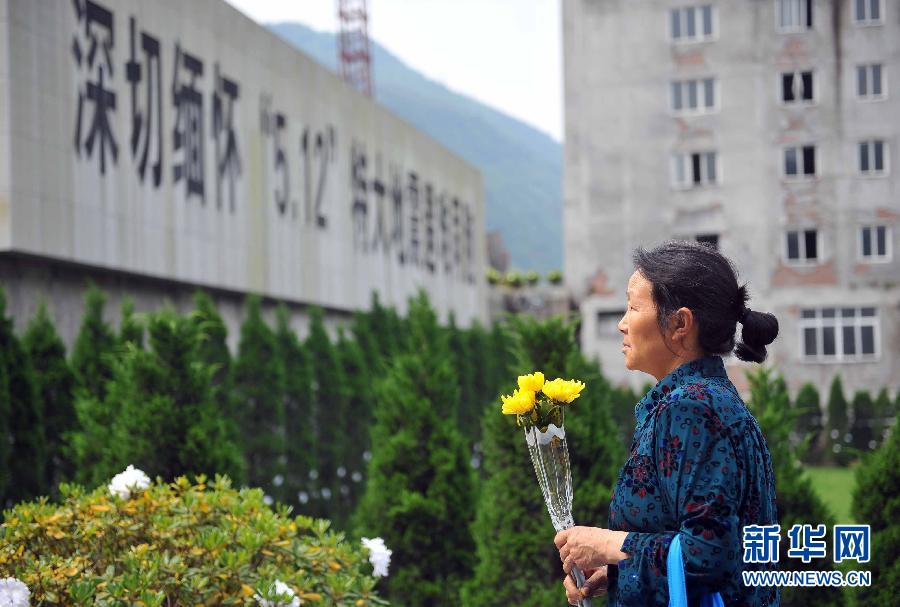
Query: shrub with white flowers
x=13 y=593
x=130 y=480
x=379 y=555
x=284 y=596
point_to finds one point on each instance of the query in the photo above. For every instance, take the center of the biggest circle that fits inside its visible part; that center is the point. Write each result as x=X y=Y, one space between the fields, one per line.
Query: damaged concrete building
x=765 y=128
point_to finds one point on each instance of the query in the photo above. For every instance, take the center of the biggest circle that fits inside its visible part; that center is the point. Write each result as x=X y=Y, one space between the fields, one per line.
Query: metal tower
x=353 y=45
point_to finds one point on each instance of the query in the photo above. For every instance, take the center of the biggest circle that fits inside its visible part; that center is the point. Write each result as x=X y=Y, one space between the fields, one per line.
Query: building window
x=693 y=96
x=872 y=159
x=608 y=324
x=797 y=87
x=695 y=169
x=875 y=243
x=870 y=81
x=839 y=334
x=867 y=12
x=802 y=247
x=794 y=15
x=710 y=240
x=691 y=23
x=800 y=161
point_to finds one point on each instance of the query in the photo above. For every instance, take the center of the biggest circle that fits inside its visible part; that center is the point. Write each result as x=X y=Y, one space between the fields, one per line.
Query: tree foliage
x=419 y=494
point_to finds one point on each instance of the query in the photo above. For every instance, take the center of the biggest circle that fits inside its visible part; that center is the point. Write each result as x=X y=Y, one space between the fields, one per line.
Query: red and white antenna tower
x=353 y=45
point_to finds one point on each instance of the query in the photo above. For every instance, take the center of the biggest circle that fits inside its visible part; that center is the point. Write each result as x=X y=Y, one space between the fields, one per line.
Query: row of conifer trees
x=391 y=429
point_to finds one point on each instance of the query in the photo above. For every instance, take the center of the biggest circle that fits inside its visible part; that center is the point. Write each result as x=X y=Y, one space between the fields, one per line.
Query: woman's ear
x=682 y=323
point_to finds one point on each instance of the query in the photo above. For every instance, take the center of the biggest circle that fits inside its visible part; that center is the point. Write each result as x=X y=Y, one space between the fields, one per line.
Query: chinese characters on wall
x=394 y=211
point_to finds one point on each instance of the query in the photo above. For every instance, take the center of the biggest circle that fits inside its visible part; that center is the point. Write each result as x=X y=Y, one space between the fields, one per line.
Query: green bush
x=55 y=385
x=838 y=425
x=532 y=277
x=876 y=502
x=177 y=544
x=513 y=279
x=555 y=277
x=27 y=460
x=419 y=494
x=797 y=501
x=257 y=383
x=809 y=423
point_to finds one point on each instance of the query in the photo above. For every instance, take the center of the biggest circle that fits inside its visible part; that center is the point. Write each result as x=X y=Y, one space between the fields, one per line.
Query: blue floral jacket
x=699 y=466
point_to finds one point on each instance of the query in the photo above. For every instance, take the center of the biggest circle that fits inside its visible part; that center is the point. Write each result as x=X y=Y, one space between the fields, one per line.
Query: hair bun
x=759 y=329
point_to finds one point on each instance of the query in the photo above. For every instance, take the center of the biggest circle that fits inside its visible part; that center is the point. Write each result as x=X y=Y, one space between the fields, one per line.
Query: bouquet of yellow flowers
x=531 y=409
x=539 y=406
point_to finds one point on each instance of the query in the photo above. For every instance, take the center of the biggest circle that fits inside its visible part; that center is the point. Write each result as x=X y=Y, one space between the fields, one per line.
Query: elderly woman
x=699 y=464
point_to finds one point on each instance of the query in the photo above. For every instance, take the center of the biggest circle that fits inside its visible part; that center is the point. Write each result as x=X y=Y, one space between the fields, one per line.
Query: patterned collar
x=709 y=366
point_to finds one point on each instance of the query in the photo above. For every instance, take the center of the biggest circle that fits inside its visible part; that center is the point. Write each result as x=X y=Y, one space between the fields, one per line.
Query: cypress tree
x=28 y=460
x=213 y=337
x=359 y=419
x=467 y=408
x=883 y=413
x=55 y=386
x=797 y=500
x=212 y=350
x=862 y=431
x=92 y=355
x=331 y=394
x=809 y=422
x=168 y=424
x=298 y=413
x=385 y=327
x=131 y=329
x=258 y=388
x=838 y=426
x=419 y=491
x=876 y=502
x=479 y=348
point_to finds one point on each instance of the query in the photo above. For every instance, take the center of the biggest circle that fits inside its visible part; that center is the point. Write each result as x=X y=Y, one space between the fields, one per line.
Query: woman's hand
x=589 y=547
x=594 y=586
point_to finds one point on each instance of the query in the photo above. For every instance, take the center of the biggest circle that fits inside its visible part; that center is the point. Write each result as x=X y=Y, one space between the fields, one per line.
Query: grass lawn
x=835 y=486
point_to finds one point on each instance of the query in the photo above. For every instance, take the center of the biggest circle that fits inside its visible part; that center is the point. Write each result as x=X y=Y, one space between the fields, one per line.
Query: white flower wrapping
x=13 y=593
x=130 y=480
x=283 y=590
x=379 y=555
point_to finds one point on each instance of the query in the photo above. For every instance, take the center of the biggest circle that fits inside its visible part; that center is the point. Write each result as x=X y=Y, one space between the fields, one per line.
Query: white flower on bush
x=13 y=593
x=283 y=591
x=130 y=480
x=379 y=555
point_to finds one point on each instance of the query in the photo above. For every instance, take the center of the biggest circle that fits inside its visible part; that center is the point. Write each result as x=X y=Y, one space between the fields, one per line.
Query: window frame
x=871 y=173
x=803 y=261
x=810 y=17
x=869 y=96
x=868 y=21
x=875 y=258
x=779 y=88
x=688 y=184
x=698 y=20
x=801 y=175
x=701 y=110
x=818 y=323
x=602 y=318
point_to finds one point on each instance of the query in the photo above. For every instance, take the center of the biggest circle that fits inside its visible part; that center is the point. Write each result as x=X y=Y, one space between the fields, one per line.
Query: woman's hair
x=698 y=277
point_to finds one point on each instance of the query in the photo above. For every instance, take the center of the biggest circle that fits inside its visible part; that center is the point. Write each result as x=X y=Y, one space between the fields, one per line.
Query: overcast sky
x=505 y=53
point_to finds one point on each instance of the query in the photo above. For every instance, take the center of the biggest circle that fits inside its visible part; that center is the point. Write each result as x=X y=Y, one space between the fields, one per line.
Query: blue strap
x=677 y=586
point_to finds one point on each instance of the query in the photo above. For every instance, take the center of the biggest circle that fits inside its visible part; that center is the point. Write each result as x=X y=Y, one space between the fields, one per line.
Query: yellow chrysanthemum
x=563 y=390
x=533 y=382
x=521 y=401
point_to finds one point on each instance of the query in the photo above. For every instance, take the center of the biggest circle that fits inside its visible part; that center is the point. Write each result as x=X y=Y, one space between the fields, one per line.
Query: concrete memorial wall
x=183 y=141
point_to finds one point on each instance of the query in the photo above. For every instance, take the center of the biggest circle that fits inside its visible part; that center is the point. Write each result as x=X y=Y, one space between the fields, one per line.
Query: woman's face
x=642 y=343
